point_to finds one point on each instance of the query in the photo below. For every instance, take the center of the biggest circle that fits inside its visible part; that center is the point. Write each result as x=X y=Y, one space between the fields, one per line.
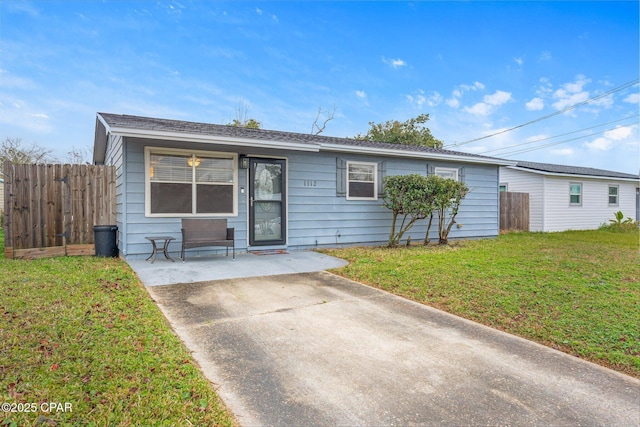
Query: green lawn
x=82 y=331
x=577 y=291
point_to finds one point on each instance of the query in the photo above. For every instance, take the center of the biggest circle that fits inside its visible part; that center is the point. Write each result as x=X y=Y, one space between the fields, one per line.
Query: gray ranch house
x=278 y=190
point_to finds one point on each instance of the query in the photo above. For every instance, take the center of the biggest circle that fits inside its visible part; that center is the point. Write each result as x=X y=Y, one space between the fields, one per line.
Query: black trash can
x=105 y=237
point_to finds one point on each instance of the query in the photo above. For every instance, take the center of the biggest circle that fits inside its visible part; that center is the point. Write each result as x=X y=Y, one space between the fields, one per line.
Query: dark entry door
x=267 y=198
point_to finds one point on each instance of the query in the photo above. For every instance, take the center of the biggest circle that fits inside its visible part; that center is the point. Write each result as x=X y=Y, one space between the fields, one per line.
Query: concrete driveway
x=316 y=349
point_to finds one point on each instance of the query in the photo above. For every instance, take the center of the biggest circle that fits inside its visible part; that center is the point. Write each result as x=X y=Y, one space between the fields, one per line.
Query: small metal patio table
x=165 y=247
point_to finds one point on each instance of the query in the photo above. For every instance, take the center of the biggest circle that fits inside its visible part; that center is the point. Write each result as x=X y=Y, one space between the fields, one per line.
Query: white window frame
x=580 y=194
x=147 y=178
x=375 y=180
x=617 y=195
x=447 y=171
x=505 y=185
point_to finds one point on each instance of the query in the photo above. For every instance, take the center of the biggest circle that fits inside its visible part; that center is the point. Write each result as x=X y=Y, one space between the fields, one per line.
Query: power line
x=564 y=110
x=557 y=136
x=526 y=150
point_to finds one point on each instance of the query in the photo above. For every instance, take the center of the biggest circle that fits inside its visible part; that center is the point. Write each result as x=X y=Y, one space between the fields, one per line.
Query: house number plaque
x=310 y=183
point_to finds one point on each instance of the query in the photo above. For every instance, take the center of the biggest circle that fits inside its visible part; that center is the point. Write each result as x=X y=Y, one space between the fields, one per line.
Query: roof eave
x=571 y=175
x=212 y=139
x=414 y=154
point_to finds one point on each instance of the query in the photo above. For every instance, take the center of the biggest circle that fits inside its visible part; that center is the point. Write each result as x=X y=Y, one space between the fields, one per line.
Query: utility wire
x=557 y=136
x=564 y=110
x=526 y=150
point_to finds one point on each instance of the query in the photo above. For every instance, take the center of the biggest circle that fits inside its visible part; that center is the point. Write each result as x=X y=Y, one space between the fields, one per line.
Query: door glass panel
x=268 y=181
x=267 y=220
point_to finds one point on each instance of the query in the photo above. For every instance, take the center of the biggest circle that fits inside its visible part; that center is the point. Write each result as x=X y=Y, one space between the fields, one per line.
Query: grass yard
x=83 y=332
x=576 y=291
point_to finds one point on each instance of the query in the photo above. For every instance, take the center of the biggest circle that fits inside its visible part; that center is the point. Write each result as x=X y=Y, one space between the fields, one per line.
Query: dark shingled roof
x=574 y=170
x=165 y=125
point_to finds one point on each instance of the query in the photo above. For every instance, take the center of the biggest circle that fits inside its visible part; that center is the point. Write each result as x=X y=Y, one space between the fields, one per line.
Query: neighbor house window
x=362 y=181
x=450 y=173
x=503 y=188
x=182 y=183
x=575 y=193
x=613 y=195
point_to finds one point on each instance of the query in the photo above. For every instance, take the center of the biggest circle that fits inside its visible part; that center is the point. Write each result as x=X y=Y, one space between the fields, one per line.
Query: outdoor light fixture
x=244 y=162
x=191 y=161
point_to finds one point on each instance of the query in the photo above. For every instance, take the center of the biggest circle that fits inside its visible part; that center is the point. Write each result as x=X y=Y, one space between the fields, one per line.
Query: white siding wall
x=595 y=209
x=527 y=182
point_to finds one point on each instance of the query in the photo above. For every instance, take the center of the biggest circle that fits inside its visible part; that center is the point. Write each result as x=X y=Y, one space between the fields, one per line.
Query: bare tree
x=12 y=150
x=242 y=117
x=317 y=129
x=80 y=155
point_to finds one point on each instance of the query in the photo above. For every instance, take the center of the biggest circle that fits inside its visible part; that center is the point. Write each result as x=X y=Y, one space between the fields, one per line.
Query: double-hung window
x=449 y=173
x=575 y=194
x=183 y=183
x=362 y=181
x=613 y=195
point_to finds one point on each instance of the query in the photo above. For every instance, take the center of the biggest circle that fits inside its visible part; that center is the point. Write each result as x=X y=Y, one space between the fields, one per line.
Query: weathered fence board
x=514 y=211
x=51 y=209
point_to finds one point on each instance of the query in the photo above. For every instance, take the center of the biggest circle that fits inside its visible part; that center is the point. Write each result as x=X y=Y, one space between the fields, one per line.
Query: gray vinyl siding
x=114 y=156
x=316 y=217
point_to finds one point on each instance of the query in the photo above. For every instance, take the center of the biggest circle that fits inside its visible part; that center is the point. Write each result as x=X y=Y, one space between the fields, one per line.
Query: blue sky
x=478 y=69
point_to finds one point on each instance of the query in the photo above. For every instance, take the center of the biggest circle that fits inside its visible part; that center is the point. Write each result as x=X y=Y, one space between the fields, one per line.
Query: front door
x=267 y=198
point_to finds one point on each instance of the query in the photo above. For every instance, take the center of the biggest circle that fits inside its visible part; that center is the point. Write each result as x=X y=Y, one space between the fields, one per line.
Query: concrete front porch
x=218 y=267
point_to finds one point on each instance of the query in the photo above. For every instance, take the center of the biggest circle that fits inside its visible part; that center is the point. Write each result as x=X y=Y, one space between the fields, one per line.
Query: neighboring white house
x=571 y=198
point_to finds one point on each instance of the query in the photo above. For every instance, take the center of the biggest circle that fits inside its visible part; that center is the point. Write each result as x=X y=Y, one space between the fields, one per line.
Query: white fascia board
x=571 y=175
x=212 y=139
x=414 y=154
x=100 y=142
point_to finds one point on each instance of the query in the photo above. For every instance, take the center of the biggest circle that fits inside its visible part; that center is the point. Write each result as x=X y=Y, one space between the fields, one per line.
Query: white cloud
x=175 y=8
x=395 y=63
x=361 y=94
x=453 y=102
x=545 y=56
x=275 y=18
x=258 y=11
x=606 y=142
x=600 y=144
x=490 y=101
x=434 y=100
x=619 y=133
x=459 y=90
x=498 y=98
x=535 y=104
x=571 y=93
x=606 y=102
x=633 y=98
x=519 y=61
x=479 y=109
x=563 y=152
x=417 y=98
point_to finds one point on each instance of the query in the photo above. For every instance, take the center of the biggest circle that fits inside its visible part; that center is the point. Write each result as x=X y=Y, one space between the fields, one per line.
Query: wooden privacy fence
x=514 y=211
x=51 y=209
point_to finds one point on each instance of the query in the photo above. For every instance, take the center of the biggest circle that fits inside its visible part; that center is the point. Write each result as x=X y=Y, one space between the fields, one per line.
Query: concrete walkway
x=165 y=272
x=316 y=349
